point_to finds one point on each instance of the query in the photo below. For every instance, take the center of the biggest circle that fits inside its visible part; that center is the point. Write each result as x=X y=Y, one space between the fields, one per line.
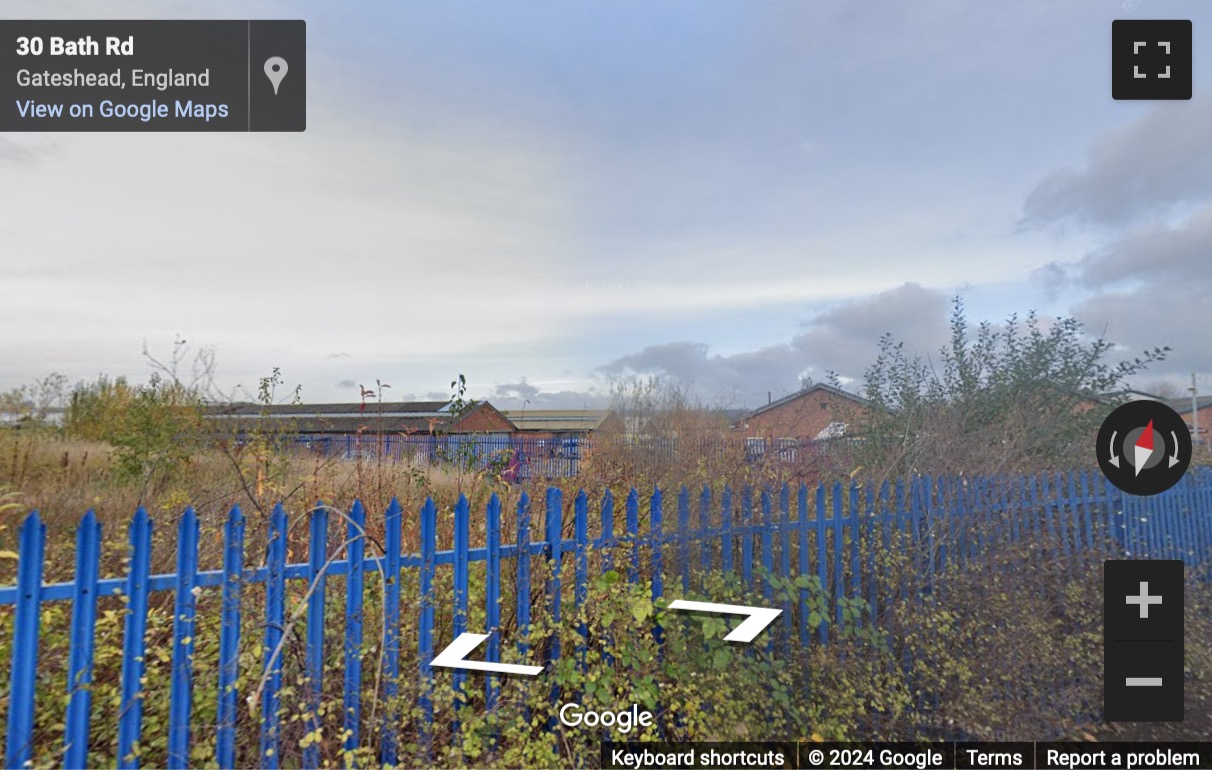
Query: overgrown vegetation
x=964 y=655
x=1012 y=398
x=975 y=653
x=659 y=434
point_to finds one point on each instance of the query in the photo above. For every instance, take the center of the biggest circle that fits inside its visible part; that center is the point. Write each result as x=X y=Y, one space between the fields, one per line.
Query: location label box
x=153 y=75
x=1143 y=640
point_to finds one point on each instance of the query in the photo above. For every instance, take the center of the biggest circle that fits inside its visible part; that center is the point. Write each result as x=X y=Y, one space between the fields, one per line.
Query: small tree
x=661 y=434
x=31 y=405
x=154 y=428
x=1025 y=396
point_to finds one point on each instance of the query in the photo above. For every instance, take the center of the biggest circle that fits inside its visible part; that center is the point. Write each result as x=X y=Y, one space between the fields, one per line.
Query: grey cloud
x=347 y=384
x=15 y=153
x=1148 y=188
x=1155 y=315
x=337 y=355
x=515 y=390
x=1053 y=278
x=843 y=339
x=523 y=395
x=712 y=376
x=1167 y=277
x=1180 y=254
x=1162 y=160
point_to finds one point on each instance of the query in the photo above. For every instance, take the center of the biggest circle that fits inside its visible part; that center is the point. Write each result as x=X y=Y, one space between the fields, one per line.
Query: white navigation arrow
x=1141 y=455
x=1114 y=456
x=454 y=657
x=1174 y=457
x=1143 y=449
x=759 y=617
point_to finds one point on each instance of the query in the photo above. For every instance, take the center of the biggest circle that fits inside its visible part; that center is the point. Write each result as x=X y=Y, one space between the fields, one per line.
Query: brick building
x=817 y=412
x=1200 y=412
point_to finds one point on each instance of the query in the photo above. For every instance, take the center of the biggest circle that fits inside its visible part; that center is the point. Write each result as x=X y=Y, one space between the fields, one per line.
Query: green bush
x=154 y=428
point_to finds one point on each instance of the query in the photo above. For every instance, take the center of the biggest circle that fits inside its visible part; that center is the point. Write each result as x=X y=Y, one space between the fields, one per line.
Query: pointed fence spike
x=391 y=638
x=83 y=631
x=182 y=677
x=275 y=620
x=130 y=724
x=32 y=553
x=229 y=638
x=354 y=595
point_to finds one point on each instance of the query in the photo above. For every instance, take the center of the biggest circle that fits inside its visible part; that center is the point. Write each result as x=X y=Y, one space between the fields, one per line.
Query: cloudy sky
x=551 y=196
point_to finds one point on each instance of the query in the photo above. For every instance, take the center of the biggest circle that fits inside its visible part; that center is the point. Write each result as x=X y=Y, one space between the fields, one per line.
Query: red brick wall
x=804 y=417
x=483 y=419
x=1205 y=425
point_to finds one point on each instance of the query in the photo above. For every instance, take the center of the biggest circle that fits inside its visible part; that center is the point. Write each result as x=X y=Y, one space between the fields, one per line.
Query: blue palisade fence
x=831 y=534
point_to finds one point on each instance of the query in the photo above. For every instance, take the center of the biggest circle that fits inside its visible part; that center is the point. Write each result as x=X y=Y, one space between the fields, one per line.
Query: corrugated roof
x=386 y=409
x=366 y=423
x=391 y=417
x=557 y=419
x=1183 y=405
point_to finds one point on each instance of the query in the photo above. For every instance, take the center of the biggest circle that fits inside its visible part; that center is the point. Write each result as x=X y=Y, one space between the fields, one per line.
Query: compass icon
x=1144 y=447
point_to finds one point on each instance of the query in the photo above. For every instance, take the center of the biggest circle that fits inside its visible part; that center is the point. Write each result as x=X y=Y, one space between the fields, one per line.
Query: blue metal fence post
x=1044 y=495
x=683 y=537
x=317 y=579
x=24 y=665
x=388 y=727
x=801 y=501
x=856 y=587
x=1201 y=513
x=633 y=535
x=923 y=564
x=429 y=545
x=767 y=544
x=1191 y=515
x=656 y=526
x=355 y=552
x=523 y=575
x=839 y=554
x=705 y=558
x=130 y=720
x=461 y=579
x=607 y=542
x=581 y=578
x=726 y=529
x=784 y=527
x=884 y=542
x=275 y=629
x=1036 y=522
x=822 y=559
x=1170 y=529
x=554 y=527
x=182 y=681
x=492 y=597
x=84 y=624
x=1085 y=536
x=747 y=537
x=229 y=638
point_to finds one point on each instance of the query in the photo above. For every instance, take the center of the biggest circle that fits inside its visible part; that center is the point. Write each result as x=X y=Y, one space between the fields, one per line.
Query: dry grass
x=62 y=479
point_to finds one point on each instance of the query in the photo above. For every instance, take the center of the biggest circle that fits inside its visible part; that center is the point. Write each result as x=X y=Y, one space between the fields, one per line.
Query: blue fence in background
x=827 y=532
x=520 y=458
